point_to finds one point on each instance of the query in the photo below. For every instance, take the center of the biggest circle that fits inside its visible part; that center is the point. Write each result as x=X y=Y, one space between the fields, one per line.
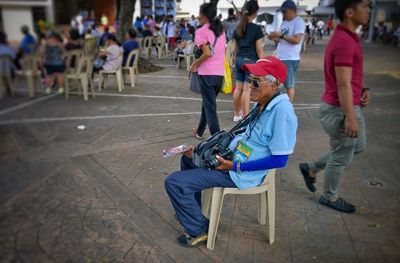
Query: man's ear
x=349 y=12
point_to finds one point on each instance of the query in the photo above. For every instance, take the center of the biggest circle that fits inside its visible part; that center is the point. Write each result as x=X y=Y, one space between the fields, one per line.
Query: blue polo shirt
x=273 y=134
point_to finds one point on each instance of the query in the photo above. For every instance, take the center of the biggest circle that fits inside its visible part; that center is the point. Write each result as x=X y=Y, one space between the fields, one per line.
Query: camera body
x=222 y=151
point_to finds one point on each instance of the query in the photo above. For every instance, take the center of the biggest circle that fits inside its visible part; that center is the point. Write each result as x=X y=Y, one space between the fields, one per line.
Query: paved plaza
x=97 y=195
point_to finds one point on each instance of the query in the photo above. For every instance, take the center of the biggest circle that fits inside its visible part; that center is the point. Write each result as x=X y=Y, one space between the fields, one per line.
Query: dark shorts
x=241 y=75
x=54 y=69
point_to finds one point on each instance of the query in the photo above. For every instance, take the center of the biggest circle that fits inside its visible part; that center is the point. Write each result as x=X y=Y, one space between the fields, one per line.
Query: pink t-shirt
x=213 y=66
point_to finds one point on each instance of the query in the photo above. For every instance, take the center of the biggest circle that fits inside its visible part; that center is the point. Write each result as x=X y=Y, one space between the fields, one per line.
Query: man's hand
x=225 y=164
x=365 y=98
x=274 y=35
x=189 y=152
x=351 y=127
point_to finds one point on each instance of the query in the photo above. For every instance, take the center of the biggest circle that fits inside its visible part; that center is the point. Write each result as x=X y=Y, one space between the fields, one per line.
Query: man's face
x=361 y=12
x=265 y=89
x=289 y=14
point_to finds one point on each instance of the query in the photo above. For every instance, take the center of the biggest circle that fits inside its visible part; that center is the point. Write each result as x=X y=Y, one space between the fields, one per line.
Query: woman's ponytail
x=248 y=9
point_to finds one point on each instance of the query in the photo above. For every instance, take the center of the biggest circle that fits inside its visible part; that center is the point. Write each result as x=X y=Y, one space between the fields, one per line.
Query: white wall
x=14 y=18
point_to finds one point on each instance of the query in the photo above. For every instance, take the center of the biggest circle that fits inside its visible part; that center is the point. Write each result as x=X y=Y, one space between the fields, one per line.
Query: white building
x=16 y=13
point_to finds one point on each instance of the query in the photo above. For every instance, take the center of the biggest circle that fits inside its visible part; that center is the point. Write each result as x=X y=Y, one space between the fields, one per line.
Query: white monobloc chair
x=117 y=72
x=215 y=197
x=131 y=67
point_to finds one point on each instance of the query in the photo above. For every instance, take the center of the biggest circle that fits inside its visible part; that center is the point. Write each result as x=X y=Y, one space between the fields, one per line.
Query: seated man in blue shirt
x=129 y=45
x=28 y=45
x=266 y=143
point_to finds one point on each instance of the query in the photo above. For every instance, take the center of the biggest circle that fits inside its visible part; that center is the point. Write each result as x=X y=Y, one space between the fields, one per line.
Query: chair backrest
x=5 y=65
x=85 y=65
x=71 y=58
x=117 y=62
x=230 y=51
x=148 y=42
x=90 y=46
x=189 y=48
x=135 y=55
x=30 y=62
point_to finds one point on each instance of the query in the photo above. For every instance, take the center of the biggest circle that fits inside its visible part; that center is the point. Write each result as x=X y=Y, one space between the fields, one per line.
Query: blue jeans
x=209 y=88
x=184 y=190
x=291 y=66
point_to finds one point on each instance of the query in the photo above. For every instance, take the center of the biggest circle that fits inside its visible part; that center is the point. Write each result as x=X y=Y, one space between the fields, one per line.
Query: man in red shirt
x=343 y=98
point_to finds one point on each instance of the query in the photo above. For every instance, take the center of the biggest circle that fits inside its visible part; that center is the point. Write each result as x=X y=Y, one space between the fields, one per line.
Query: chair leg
x=2 y=89
x=119 y=80
x=66 y=88
x=188 y=63
x=216 y=207
x=9 y=84
x=84 y=83
x=262 y=208
x=91 y=85
x=206 y=202
x=31 y=86
x=271 y=210
x=101 y=77
x=132 y=76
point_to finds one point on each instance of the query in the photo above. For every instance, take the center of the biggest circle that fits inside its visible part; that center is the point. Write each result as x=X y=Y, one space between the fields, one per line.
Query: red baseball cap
x=269 y=65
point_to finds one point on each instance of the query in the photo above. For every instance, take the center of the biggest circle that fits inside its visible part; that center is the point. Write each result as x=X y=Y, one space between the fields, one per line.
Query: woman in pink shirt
x=209 y=66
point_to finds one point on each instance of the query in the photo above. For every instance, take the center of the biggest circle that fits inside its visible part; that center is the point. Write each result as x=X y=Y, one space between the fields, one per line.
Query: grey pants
x=343 y=147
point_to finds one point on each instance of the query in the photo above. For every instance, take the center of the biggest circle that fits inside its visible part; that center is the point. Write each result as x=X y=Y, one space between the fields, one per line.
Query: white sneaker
x=60 y=90
x=237 y=118
x=47 y=91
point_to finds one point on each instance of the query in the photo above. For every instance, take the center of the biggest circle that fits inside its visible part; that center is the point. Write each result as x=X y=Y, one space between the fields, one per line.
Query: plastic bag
x=227 y=83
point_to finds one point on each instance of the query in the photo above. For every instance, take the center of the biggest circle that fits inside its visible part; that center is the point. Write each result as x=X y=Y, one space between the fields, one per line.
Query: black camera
x=220 y=150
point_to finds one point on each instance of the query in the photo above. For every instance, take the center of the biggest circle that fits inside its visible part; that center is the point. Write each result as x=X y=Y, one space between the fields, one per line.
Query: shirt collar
x=352 y=34
x=276 y=100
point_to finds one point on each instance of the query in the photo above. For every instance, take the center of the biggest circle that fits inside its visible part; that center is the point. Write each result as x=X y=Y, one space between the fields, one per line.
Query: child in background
x=51 y=57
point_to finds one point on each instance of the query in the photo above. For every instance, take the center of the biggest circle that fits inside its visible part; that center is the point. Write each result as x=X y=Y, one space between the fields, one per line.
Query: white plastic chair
x=131 y=69
x=215 y=196
x=5 y=75
x=83 y=75
x=231 y=52
x=31 y=71
x=187 y=55
x=117 y=72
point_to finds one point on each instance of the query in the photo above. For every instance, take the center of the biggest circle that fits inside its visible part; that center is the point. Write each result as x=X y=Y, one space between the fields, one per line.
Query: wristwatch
x=281 y=37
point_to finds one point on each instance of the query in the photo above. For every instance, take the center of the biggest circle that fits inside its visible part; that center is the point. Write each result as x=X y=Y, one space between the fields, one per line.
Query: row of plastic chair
x=159 y=43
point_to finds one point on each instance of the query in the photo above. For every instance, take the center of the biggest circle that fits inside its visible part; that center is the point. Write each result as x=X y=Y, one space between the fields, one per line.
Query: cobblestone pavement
x=96 y=195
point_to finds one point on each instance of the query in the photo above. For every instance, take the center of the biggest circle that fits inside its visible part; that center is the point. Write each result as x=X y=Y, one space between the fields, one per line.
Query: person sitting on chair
x=268 y=139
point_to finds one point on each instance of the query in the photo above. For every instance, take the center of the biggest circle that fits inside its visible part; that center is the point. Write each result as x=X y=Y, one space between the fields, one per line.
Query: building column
x=372 y=23
x=50 y=11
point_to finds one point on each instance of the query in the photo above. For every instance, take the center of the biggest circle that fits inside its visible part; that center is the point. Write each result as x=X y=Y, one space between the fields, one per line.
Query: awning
x=320 y=10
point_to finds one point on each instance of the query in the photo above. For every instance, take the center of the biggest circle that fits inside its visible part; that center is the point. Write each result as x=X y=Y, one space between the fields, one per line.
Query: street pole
x=372 y=23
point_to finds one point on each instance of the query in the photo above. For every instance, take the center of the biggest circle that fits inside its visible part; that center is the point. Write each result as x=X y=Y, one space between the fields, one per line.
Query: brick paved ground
x=97 y=195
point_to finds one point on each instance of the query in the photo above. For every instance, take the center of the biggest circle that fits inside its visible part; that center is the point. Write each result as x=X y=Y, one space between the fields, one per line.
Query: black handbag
x=221 y=140
x=197 y=52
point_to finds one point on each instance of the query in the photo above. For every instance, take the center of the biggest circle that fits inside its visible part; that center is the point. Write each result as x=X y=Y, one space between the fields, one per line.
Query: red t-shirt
x=343 y=50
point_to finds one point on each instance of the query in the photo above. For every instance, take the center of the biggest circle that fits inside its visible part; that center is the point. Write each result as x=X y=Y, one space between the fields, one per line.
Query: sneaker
x=194 y=132
x=310 y=181
x=47 y=91
x=189 y=241
x=60 y=90
x=339 y=204
x=237 y=118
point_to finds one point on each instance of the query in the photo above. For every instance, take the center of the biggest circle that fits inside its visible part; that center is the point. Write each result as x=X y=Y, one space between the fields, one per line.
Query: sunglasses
x=255 y=83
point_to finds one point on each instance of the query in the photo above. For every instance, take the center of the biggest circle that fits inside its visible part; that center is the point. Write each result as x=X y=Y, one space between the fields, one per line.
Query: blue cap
x=288 y=4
